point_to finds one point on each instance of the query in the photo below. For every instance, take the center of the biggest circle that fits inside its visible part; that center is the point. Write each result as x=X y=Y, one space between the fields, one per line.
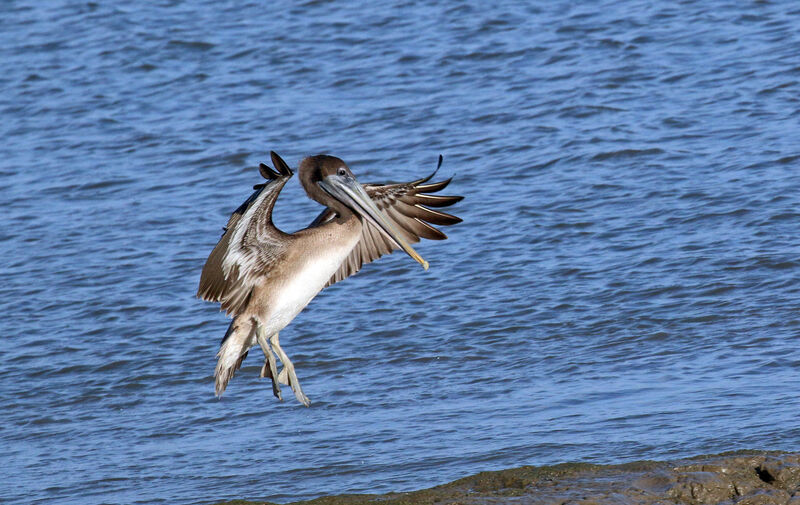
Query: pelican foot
x=295 y=385
x=288 y=375
x=270 y=366
x=298 y=393
x=267 y=370
x=283 y=377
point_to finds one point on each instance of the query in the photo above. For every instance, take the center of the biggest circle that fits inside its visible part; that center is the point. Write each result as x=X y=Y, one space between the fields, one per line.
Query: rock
x=743 y=478
x=657 y=482
x=769 y=497
x=701 y=488
x=783 y=473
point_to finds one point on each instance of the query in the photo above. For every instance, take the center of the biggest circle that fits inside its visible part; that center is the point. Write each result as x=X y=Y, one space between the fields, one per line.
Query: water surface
x=624 y=285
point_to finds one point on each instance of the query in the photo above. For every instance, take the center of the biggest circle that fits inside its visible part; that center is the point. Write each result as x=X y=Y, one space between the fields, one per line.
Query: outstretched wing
x=249 y=247
x=408 y=207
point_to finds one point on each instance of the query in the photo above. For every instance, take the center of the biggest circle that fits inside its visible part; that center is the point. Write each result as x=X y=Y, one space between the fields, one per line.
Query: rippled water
x=624 y=285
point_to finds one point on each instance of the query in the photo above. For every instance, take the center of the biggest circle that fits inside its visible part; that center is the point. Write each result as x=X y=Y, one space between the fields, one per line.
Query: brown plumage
x=406 y=205
x=263 y=277
x=262 y=241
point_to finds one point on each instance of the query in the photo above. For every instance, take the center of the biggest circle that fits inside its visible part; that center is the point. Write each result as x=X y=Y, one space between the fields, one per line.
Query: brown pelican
x=264 y=277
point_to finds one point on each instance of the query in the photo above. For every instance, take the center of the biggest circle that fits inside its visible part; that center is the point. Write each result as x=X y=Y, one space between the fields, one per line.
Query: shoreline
x=741 y=477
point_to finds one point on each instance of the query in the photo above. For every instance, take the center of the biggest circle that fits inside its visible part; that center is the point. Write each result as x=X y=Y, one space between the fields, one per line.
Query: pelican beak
x=347 y=190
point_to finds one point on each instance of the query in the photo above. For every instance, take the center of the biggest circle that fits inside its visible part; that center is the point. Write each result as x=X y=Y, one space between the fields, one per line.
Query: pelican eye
x=342 y=171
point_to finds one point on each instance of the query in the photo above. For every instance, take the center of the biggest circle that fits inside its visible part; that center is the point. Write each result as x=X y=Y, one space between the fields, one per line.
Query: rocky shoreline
x=742 y=478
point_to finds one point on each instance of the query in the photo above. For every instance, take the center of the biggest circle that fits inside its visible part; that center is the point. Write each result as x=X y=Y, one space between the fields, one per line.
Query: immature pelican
x=264 y=277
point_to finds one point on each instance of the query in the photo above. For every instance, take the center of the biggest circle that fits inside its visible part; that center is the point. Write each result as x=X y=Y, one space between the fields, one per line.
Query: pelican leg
x=270 y=366
x=288 y=372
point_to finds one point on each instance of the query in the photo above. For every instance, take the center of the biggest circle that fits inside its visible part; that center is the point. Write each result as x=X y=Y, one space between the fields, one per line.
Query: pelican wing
x=249 y=247
x=407 y=206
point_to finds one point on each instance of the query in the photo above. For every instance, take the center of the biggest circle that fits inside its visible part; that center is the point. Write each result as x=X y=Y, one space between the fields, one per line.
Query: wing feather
x=407 y=205
x=249 y=247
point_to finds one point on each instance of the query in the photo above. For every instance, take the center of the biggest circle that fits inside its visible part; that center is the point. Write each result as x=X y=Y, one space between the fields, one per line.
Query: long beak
x=347 y=190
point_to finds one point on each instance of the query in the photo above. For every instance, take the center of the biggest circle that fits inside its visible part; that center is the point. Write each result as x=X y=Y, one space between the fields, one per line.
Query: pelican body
x=263 y=277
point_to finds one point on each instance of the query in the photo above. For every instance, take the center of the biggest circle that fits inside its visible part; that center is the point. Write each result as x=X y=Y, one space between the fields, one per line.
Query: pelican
x=263 y=277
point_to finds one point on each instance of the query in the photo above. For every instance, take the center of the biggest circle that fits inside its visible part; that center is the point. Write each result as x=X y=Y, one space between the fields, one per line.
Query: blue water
x=625 y=285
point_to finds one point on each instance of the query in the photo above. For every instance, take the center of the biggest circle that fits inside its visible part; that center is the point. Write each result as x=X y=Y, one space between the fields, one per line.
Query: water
x=624 y=285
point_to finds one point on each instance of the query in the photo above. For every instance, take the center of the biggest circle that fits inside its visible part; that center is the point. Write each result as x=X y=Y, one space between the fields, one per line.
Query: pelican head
x=329 y=181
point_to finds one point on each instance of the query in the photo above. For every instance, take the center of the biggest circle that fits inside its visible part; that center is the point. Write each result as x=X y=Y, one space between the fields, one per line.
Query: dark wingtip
x=281 y=165
x=426 y=179
x=267 y=173
x=434 y=186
